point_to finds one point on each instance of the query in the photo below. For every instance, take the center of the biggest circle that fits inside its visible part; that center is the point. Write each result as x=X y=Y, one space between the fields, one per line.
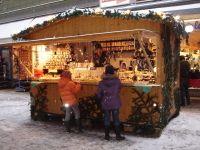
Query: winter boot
x=78 y=125
x=107 y=131
x=118 y=134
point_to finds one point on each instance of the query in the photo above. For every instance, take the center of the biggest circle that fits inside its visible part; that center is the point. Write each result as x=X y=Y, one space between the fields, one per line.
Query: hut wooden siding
x=127 y=98
x=91 y=24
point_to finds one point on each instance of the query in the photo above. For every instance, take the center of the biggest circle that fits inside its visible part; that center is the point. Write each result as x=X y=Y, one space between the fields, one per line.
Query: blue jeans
x=115 y=117
x=73 y=108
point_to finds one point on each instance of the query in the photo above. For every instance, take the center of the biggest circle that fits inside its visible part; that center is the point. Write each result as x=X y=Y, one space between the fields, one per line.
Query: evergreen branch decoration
x=177 y=100
x=144 y=109
x=90 y=107
x=39 y=96
x=176 y=62
x=178 y=26
x=169 y=78
x=171 y=67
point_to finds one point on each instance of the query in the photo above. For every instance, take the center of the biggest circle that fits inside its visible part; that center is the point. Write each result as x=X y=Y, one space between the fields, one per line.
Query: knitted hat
x=66 y=74
x=109 y=69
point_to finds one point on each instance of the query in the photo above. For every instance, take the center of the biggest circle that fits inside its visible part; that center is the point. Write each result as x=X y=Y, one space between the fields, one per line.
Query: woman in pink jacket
x=68 y=90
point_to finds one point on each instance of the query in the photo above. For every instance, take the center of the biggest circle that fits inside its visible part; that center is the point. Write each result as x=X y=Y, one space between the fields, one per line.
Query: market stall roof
x=85 y=23
x=88 y=37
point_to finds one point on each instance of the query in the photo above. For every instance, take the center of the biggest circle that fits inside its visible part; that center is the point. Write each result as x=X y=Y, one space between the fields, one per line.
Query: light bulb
x=189 y=28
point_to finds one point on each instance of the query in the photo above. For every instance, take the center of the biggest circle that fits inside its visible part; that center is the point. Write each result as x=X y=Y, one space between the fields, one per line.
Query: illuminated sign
x=110 y=3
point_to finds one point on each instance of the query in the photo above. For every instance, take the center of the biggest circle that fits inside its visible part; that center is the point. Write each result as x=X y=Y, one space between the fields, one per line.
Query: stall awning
x=113 y=35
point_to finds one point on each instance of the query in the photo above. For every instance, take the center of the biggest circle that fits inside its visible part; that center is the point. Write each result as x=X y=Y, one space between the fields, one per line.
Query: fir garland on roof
x=178 y=26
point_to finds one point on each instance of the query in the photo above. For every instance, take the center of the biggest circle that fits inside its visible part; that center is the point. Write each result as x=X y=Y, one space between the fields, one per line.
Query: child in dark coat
x=108 y=92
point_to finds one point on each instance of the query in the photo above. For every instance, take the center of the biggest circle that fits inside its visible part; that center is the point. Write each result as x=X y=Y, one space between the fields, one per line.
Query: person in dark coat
x=184 y=80
x=108 y=92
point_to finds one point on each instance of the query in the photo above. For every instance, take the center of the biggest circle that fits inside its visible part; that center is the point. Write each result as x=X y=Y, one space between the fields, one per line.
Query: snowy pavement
x=19 y=132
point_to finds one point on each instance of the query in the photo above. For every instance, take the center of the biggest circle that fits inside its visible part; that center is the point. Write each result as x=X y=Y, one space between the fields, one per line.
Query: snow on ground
x=19 y=132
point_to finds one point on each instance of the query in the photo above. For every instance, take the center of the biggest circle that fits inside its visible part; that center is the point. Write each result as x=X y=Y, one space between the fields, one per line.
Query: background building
x=14 y=10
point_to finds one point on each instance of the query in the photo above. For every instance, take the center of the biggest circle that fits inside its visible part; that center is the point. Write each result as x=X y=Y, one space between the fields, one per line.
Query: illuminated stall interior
x=134 y=60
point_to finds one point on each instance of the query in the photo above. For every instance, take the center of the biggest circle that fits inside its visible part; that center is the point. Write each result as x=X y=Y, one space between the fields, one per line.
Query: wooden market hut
x=147 y=105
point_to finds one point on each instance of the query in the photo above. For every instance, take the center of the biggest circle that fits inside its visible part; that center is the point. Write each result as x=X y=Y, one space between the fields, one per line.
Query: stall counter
x=48 y=91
